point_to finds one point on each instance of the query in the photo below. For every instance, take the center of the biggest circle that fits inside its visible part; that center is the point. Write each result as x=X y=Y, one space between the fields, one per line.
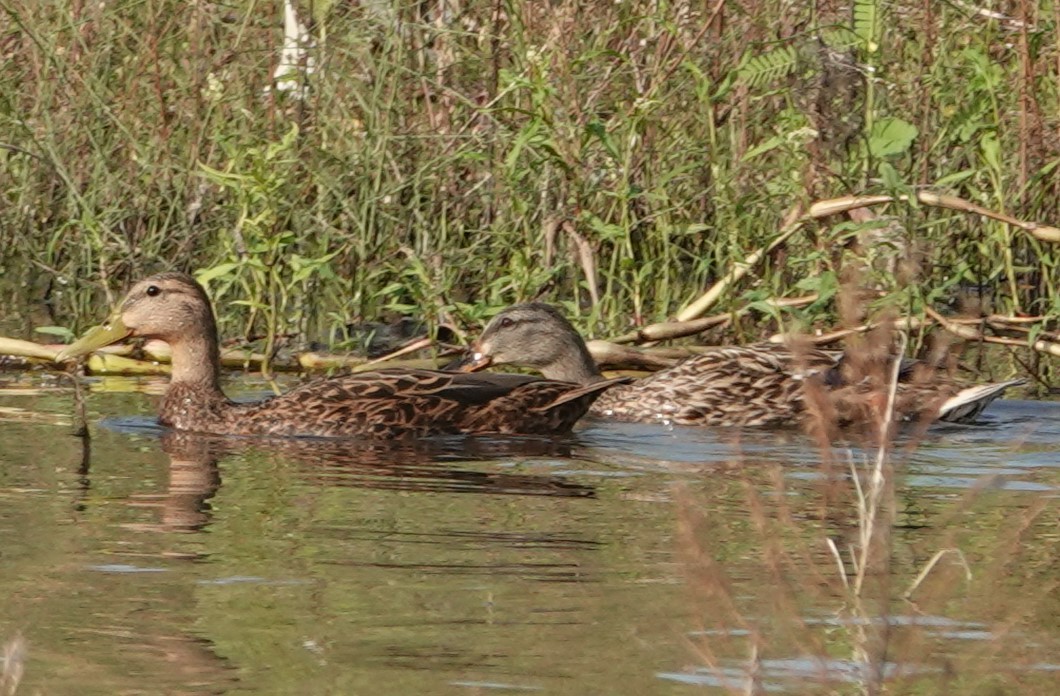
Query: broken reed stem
x=113 y=360
x=820 y=209
x=614 y=356
x=616 y=352
x=410 y=347
x=793 y=222
x=668 y=330
x=963 y=330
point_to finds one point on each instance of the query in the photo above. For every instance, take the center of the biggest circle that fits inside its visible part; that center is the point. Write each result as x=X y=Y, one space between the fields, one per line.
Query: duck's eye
x=506 y=322
x=153 y=291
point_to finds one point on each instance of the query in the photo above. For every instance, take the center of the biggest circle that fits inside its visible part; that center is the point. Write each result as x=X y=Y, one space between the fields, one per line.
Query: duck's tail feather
x=966 y=405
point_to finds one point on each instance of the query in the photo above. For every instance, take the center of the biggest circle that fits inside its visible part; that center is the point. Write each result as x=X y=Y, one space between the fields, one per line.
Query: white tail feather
x=967 y=404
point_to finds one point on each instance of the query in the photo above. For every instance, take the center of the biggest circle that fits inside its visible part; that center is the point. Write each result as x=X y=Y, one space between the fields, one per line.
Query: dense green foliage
x=462 y=160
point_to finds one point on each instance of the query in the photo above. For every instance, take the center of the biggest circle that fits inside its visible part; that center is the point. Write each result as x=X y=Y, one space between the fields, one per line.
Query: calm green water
x=628 y=559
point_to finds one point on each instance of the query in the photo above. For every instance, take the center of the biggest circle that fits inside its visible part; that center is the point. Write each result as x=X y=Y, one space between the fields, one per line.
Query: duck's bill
x=94 y=339
x=471 y=362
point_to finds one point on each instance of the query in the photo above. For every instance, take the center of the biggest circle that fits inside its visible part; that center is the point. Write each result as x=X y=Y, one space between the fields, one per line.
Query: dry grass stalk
x=668 y=330
x=13 y=665
x=613 y=356
x=824 y=339
x=866 y=573
x=586 y=259
x=820 y=209
x=793 y=222
x=962 y=330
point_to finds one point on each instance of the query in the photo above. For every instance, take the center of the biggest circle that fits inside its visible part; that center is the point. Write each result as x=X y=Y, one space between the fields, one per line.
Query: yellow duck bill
x=98 y=337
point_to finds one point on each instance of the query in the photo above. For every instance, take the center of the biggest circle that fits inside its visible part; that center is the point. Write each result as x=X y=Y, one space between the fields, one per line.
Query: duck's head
x=169 y=306
x=534 y=335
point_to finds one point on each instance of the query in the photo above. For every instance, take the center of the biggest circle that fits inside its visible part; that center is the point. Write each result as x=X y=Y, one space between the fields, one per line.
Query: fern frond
x=768 y=67
x=868 y=17
x=839 y=38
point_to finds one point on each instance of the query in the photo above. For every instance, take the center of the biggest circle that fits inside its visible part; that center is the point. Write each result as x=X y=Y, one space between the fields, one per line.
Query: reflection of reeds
x=13 y=664
x=15 y=414
x=886 y=614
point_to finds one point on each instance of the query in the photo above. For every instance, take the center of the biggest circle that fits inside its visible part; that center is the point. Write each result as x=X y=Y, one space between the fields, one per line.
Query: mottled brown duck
x=755 y=385
x=386 y=403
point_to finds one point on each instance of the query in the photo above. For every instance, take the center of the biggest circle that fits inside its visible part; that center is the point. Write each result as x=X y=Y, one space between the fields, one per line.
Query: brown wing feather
x=395 y=403
x=741 y=385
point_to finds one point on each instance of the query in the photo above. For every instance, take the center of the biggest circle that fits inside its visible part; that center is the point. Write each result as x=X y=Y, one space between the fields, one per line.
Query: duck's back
x=758 y=385
x=766 y=385
x=400 y=403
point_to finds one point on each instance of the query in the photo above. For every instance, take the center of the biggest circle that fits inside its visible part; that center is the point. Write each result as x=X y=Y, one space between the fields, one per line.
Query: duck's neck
x=195 y=360
x=574 y=364
x=194 y=394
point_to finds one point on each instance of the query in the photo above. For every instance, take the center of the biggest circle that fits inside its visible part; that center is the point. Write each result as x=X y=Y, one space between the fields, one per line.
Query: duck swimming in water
x=756 y=385
x=385 y=403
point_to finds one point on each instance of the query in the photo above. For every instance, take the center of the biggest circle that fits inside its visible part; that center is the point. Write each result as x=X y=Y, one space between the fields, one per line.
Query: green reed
x=617 y=157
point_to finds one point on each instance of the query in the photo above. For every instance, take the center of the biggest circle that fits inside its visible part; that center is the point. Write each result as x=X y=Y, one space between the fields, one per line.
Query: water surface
x=626 y=559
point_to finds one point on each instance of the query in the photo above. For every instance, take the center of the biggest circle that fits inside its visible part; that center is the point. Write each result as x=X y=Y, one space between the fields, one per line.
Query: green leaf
x=1034 y=333
x=598 y=131
x=825 y=285
x=606 y=230
x=955 y=178
x=867 y=16
x=767 y=67
x=321 y=8
x=762 y=148
x=991 y=151
x=225 y=178
x=891 y=136
x=838 y=38
x=891 y=178
x=206 y=275
x=765 y=307
x=60 y=331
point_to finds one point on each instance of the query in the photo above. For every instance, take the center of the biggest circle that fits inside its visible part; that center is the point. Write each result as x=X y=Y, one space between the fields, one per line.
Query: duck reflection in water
x=421 y=465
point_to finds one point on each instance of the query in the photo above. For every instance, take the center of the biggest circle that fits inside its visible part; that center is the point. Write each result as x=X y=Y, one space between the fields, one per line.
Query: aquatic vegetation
x=456 y=161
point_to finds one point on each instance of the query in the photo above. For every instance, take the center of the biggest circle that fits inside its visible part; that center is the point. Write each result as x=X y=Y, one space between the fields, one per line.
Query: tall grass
x=454 y=156
x=867 y=586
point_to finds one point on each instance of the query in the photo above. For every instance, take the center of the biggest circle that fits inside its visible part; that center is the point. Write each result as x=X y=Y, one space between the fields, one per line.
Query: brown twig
x=668 y=330
x=793 y=222
x=410 y=347
x=615 y=356
x=968 y=333
x=820 y=209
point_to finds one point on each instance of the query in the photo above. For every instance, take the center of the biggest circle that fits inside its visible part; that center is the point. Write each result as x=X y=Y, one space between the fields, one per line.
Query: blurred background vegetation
x=448 y=158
